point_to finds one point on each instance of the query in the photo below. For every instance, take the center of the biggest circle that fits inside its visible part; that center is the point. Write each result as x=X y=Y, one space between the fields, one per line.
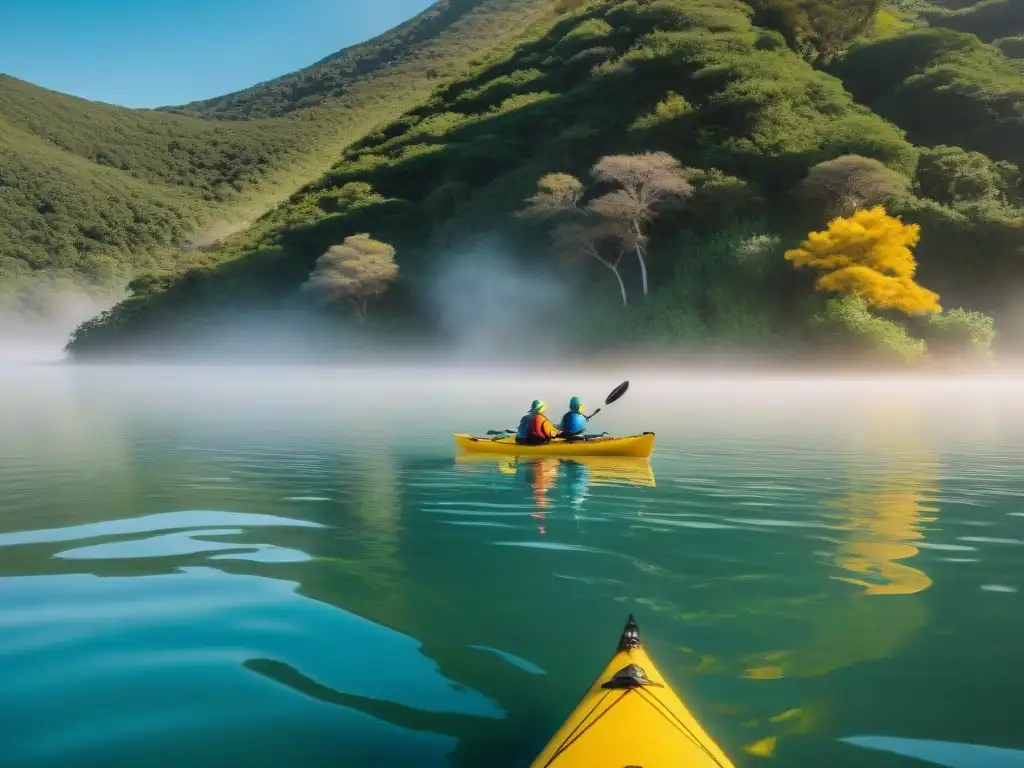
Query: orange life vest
x=540 y=427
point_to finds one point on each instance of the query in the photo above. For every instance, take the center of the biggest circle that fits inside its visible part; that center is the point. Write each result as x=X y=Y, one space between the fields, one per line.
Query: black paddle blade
x=616 y=393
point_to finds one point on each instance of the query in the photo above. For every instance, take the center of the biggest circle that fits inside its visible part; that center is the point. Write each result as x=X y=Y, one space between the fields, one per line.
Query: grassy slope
x=89 y=190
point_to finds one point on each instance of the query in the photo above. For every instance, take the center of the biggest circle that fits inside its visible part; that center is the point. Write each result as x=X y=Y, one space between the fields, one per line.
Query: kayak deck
x=631 y=717
x=641 y=446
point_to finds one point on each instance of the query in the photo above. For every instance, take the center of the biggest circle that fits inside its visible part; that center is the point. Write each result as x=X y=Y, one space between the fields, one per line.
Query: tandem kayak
x=631 y=717
x=641 y=446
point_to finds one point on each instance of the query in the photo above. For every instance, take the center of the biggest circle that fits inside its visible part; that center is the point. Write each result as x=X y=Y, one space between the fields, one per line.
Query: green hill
x=988 y=19
x=746 y=114
x=90 y=192
x=435 y=45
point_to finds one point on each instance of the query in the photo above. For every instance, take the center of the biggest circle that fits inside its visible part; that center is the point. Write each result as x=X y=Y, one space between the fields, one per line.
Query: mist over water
x=277 y=564
x=35 y=329
x=491 y=306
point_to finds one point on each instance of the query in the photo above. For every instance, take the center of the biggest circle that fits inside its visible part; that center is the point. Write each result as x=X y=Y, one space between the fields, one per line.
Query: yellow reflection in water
x=599 y=470
x=883 y=526
x=883 y=518
x=878 y=523
x=880 y=520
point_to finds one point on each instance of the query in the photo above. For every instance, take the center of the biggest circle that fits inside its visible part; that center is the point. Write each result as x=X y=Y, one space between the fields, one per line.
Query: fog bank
x=35 y=327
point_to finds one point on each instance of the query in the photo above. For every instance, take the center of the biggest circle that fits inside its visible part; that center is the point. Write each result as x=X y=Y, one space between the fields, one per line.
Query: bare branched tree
x=359 y=269
x=647 y=183
x=590 y=237
x=577 y=232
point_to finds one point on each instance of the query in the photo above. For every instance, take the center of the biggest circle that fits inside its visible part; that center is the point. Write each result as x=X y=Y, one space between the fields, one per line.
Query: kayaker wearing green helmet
x=574 y=422
x=535 y=428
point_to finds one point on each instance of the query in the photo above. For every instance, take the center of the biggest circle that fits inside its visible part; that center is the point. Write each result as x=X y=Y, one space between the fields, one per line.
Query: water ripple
x=149 y=524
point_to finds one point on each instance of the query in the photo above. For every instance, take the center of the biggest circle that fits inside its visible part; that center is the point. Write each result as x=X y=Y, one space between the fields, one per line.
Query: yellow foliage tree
x=868 y=254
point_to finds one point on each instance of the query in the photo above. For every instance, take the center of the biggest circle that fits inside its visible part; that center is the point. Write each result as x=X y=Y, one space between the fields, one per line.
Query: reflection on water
x=874 y=525
x=579 y=472
x=545 y=477
x=883 y=517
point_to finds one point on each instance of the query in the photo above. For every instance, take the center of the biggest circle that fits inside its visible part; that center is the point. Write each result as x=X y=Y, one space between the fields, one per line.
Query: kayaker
x=574 y=422
x=535 y=428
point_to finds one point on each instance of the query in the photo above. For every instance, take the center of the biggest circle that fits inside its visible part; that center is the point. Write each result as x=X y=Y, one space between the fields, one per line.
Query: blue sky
x=149 y=53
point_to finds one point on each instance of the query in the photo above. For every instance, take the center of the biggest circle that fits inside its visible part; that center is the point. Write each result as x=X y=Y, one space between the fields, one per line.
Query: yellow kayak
x=635 y=445
x=631 y=718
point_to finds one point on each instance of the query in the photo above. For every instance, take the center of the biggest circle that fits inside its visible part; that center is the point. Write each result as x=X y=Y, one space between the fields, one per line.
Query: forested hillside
x=90 y=192
x=682 y=151
x=988 y=19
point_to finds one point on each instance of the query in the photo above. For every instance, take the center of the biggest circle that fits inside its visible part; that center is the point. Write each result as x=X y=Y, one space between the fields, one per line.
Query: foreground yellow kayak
x=630 y=718
x=635 y=445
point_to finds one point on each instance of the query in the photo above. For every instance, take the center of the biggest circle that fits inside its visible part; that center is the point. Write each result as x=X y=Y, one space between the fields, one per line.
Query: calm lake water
x=268 y=567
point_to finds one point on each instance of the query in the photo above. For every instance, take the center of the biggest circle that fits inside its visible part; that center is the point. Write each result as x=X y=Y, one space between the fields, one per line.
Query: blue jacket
x=574 y=423
x=524 y=427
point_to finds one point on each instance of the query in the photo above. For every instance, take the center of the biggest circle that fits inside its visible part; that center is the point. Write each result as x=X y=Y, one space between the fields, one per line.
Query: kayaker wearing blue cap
x=535 y=428
x=574 y=422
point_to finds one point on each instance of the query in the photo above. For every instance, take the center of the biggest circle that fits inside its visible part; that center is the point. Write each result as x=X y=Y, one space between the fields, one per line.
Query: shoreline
x=695 y=366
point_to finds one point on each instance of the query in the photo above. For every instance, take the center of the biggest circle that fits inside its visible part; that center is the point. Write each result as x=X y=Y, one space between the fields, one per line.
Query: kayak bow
x=635 y=445
x=631 y=718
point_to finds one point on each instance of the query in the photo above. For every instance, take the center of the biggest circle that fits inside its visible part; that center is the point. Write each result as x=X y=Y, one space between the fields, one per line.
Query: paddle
x=614 y=395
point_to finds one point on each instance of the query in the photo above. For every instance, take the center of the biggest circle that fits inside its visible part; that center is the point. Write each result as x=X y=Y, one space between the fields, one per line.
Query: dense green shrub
x=988 y=19
x=848 y=324
x=1012 y=47
x=961 y=333
x=955 y=177
x=942 y=87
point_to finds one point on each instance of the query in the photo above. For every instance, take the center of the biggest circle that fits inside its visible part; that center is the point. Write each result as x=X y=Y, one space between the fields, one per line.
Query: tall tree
x=835 y=24
x=359 y=269
x=647 y=183
x=577 y=232
x=818 y=29
x=868 y=254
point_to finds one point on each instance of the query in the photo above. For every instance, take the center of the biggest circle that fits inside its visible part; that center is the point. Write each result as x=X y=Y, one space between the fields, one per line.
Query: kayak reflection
x=553 y=478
